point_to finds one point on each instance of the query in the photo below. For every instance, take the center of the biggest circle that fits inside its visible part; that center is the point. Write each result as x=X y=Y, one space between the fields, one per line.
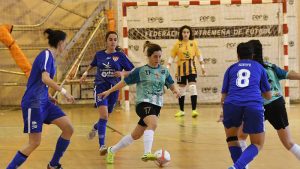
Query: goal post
x=218 y=26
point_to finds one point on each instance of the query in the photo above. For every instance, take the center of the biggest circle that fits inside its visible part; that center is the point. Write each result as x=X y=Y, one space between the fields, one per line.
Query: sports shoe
x=92 y=134
x=148 y=156
x=110 y=156
x=194 y=113
x=55 y=167
x=179 y=113
x=232 y=167
x=103 y=150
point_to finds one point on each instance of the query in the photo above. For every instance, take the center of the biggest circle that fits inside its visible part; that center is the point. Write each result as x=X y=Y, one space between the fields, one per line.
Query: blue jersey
x=108 y=64
x=275 y=74
x=36 y=92
x=244 y=82
x=150 y=83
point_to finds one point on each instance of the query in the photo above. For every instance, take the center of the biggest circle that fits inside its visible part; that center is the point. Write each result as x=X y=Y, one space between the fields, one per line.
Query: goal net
x=218 y=26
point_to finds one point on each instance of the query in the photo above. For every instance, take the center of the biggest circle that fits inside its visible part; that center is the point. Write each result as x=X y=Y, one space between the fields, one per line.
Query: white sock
x=243 y=144
x=296 y=150
x=148 y=140
x=124 y=142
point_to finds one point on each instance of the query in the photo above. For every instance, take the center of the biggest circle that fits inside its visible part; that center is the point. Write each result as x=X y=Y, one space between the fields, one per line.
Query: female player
x=186 y=50
x=275 y=111
x=150 y=80
x=244 y=78
x=37 y=107
x=110 y=65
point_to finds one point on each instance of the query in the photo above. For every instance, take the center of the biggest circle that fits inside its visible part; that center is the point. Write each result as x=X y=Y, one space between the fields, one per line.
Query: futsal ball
x=163 y=158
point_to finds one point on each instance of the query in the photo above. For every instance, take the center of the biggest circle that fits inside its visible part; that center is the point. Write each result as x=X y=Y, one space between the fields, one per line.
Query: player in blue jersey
x=37 y=107
x=110 y=64
x=244 y=83
x=275 y=111
x=150 y=80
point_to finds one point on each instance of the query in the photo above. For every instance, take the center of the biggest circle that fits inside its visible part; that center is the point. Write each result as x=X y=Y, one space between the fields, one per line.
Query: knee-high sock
x=102 y=131
x=124 y=142
x=17 y=161
x=235 y=153
x=181 y=102
x=246 y=157
x=148 y=140
x=61 y=147
x=194 y=102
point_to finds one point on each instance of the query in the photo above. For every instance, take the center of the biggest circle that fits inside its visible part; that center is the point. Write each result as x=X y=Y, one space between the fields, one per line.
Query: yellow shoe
x=110 y=156
x=179 y=114
x=148 y=156
x=194 y=113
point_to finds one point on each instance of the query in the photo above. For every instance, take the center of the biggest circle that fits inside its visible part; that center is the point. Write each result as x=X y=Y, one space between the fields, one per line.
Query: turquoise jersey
x=275 y=74
x=150 y=83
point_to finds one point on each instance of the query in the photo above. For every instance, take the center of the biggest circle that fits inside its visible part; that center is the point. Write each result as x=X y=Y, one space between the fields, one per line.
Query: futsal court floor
x=193 y=143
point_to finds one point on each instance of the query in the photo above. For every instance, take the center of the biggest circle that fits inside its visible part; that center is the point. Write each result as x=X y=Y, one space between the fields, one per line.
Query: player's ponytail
x=54 y=36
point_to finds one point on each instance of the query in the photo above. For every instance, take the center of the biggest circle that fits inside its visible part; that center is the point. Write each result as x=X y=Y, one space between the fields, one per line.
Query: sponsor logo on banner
x=206 y=32
x=291 y=43
x=209 y=90
x=291 y=2
x=260 y=17
x=134 y=47
x=230 y=45
x=155 y=19
x=210 y=60
x=207 y=18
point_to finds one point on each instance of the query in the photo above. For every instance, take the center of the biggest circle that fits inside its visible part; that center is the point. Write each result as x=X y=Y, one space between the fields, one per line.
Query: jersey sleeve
x=94 y=62
x=46 y=62
x=281 y=74
x=133 y=77
x=197 y=50
x=225 y=86
x=175 y=50
x=169 y=80
x=264 y=84
x=126 y=63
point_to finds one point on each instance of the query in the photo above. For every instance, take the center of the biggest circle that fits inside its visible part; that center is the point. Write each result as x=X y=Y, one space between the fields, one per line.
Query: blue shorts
x=34 y=118
x=252 y=116
x=110 y=101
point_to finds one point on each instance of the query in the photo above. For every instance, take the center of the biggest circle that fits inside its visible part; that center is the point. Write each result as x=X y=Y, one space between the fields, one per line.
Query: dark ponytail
x=55 y=36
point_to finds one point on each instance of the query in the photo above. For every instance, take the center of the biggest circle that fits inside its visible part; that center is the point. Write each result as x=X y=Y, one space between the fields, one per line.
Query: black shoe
x=55 y=167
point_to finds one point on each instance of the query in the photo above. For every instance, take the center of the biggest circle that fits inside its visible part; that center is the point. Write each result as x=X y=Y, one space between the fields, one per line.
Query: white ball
x=163 y=158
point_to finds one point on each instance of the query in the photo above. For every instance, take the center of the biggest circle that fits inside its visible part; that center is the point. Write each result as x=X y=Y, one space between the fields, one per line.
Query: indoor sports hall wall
x=237 y=23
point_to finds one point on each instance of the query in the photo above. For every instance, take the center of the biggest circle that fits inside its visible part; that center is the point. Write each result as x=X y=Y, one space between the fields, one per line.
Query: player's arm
x=49 y=82
x=221 y=116
x=265 y=86
x=116 y=87
x=292 y=75
x=175 y=91
x=86 y=72
x=201 y=61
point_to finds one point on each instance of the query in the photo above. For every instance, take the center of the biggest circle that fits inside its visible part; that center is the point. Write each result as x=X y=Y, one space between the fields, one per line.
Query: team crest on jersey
x=115 y=58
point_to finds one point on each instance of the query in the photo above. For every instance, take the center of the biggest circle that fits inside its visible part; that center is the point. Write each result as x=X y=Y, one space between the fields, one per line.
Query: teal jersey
x=275 y=74
x=150 y=83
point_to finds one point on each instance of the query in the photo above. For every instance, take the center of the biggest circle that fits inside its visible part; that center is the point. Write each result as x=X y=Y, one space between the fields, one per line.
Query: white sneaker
x=103 y=150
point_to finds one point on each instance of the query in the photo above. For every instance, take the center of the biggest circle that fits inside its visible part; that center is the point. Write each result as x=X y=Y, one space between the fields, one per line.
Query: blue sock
x=246 y=157
x=235 y=152
x=61 y=147
x=95 y=126
x=18 y=160
x=102 y=131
